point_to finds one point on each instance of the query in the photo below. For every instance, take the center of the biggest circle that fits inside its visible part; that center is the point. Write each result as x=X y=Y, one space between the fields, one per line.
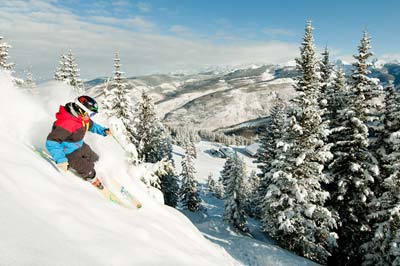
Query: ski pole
x=115 y=138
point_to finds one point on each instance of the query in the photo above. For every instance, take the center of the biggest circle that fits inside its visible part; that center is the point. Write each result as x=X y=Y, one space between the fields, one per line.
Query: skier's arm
x=56 y=151
x=54 y=144
x=96 y=128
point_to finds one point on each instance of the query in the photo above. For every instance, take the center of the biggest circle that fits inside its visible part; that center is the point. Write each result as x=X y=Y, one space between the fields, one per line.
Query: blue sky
x=161 y=36
x=337 y=23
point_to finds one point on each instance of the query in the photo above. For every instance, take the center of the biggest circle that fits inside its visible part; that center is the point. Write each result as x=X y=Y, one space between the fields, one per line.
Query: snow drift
x=49 y=218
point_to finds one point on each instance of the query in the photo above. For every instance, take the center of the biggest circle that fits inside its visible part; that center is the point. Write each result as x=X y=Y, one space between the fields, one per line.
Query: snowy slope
x=253 y=250
x=48 y=218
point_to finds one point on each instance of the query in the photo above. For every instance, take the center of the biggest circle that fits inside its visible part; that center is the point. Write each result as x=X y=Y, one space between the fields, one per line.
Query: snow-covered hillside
x=48 y=218
x=212 y=100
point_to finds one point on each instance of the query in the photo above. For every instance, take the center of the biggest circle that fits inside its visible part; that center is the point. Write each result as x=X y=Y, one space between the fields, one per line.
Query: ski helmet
x=87 y=105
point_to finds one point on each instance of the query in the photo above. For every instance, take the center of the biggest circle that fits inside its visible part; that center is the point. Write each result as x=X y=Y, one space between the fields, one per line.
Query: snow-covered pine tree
x=61 y=73
x=189 y=141
x=219 y=190
x=4 y=55
x=295 y=212
x=354 y=169
x=326 y=69
x=188 y=193
x=68 y=71
x=73 y=73
x=226 y=171
x=152 y=141
x=193 y=147
x=29 y=84
x=215 y=187
x=169 y=183
x=117 y=104
x=337 y=97
x=153 y=144
x=266 y=154
x=234 y=194
x=383 y=247
x=252 y=185
x=210 y=183
x=390 y=124
x=117 y=100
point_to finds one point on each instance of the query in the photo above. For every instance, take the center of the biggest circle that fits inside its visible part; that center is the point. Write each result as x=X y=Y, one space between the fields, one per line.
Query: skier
x=65 y=141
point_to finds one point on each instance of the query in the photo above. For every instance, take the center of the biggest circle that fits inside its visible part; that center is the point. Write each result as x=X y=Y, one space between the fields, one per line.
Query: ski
x=124 y=192
x=105 y=192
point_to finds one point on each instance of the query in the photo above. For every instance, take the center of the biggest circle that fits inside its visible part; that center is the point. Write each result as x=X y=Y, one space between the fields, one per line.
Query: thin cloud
x=120 y=3
x=144 y=7
x=38 y=40
x=180 y=30
x=391 y=57
x=276 y=32
x=135 y=23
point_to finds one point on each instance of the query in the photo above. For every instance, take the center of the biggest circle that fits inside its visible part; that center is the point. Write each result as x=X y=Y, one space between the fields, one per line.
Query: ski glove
x=107 y=131
x=63 y=166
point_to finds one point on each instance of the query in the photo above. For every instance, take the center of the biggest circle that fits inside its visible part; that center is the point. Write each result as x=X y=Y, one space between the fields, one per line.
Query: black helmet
x=87 y=105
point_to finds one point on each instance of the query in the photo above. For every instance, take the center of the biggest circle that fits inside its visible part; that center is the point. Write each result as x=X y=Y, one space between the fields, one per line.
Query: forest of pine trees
x=329 y=180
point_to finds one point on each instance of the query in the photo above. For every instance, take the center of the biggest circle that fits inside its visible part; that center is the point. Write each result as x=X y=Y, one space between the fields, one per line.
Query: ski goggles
x=88 y=112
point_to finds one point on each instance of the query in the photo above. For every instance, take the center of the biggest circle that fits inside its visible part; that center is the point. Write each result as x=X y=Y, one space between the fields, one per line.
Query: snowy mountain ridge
x=213 y=100
x=226 y=97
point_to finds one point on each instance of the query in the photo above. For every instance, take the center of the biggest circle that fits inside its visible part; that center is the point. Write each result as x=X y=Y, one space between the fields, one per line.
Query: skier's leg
x=89 y=153
x=82 y=164
x=82 y=161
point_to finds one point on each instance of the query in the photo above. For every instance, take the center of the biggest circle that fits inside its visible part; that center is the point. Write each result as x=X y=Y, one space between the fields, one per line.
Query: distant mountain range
x=234 y=101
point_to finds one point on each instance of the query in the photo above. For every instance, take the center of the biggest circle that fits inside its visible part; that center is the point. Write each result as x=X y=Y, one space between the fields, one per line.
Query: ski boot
x=97 y=183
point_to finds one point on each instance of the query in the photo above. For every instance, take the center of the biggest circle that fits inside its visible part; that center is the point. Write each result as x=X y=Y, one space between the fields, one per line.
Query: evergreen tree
x=117 y=100
x=73 y=73
x=326 y=69
x=337 y=102
x=189 y=195
x=29 y=84
x=193 y=147
x=226 y=171
x=210 y=183
x=153 y=144
x=354 y=169
x=337 y=99
x=251 y=202
x=169 y=183
x=383 y=247
x=4 y=55
x=68 y=71
x=61 y=73
x=294 y=211
x=215 y=187
x=234 y=194
x=267 y=153
x=117 y=104
x=152 y=141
